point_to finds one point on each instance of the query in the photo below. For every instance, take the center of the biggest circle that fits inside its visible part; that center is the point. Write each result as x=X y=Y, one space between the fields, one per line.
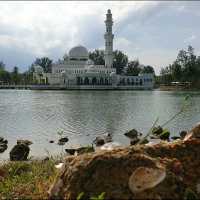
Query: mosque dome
x=78 y=53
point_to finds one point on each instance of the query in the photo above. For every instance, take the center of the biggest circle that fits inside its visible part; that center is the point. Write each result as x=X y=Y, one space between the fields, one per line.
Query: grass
x=27 y=180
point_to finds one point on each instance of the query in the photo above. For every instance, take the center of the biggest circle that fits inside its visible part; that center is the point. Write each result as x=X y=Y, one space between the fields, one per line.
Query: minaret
x=108 y=54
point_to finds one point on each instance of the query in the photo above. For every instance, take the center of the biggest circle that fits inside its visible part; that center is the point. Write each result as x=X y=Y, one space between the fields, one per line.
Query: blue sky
x=151 y=31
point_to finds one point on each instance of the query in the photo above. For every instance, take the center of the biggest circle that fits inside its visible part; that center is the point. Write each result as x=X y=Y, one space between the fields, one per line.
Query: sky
x=151 y=31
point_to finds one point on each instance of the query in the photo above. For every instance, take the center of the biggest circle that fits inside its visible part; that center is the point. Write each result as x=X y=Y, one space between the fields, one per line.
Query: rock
x=157 y=130
x=87 y=149
x=19 y=152
x=145 y=141
x=26 y=142
x=59 y=166
x=3 y=147
x=131 y=134
x=164 y=135
x=99 y=141
x=64 y=139
x=183 y=134
x=1 y=139
x=194 y=133
x=144 y=178
x=110 y=171
x=175 y=137
x=70 y=151
x=110 y=146
x=134 y=141
x=3 y=144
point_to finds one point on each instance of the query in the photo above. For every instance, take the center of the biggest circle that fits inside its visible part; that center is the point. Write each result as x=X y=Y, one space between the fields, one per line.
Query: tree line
x=120 y=62
x=16 y=78
x=186 y=68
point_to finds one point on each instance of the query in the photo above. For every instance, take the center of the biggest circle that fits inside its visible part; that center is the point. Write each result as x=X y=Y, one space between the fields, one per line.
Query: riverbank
x=140 y=171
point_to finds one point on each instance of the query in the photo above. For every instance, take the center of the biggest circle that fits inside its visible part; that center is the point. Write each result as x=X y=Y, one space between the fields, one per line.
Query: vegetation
x=186 y=68
x=121 y=63
x=27 y=180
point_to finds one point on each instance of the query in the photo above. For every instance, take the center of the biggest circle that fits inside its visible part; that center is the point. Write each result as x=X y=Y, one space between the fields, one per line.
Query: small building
x=79 y=72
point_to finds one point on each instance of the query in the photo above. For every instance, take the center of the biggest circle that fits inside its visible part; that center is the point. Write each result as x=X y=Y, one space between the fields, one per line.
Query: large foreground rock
x=110 y=172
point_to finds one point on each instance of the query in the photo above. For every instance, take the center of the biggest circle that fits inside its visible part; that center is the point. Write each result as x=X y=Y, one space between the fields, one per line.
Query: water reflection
x=83 y=115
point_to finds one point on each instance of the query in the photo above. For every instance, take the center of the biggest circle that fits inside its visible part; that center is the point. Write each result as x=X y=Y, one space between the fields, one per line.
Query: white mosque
x=79 y=72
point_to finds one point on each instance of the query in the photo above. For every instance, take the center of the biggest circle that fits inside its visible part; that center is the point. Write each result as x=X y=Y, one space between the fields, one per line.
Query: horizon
x=38 y=29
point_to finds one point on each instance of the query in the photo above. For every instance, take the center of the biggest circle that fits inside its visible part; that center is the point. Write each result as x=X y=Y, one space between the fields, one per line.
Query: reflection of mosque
x=88 y=115
x=77 y=71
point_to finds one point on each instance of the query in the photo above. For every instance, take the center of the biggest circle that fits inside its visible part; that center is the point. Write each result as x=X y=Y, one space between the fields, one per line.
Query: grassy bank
x=26 y=180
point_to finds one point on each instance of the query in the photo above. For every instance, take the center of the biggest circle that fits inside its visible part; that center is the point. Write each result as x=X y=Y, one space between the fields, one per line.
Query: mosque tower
x=108 y=36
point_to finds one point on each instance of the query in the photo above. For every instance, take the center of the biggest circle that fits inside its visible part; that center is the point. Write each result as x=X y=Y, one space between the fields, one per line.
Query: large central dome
x=78 y=53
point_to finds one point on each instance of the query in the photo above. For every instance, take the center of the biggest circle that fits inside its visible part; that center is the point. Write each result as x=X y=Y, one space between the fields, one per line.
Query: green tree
x=15 y=77
x=120 y=61
x=97 y=57
x=148 y=69
x=2 y=66
x=176 y=72
x=133 y=68
x=5 y=76
x=45 y=63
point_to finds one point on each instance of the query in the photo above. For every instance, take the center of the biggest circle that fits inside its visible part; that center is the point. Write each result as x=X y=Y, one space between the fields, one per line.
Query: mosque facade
x=77 y=71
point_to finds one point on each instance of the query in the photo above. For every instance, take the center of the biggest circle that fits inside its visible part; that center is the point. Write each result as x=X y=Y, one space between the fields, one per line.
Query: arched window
x=106 y=81
x=94 y=81
x=86 y=81
x=101 y=82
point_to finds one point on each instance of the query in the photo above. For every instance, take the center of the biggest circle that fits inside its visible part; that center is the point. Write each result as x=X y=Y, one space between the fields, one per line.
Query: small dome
x=78 y=53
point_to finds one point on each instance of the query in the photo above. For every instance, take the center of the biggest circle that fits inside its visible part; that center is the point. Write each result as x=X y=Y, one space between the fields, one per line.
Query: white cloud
x=52 y=28
x=190 y=39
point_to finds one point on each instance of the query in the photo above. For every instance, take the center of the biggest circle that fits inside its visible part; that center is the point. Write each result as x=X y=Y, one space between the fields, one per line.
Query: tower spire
x=108 y=36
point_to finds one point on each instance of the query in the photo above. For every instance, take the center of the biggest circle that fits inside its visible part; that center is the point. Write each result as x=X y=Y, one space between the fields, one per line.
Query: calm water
x=82 y=115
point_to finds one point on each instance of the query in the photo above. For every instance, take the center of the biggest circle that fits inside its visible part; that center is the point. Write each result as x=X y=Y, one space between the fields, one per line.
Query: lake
x=83 y=115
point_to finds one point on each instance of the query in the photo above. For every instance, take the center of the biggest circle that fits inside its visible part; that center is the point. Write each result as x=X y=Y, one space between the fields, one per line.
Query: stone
x=157 y=130
x=63 y=140
x=19 y=152
x=110 y=146
x=3 y=147
x=175 y=137
x=164 y=135
x=70 y=151
x=99 y=141
x=3 y=144
x=134 y=141
x=193 y=133
x=131 y=134
x=87 y=149
x=110 y=171
x=144 y=178
x=183 y=134
x=1 y=139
